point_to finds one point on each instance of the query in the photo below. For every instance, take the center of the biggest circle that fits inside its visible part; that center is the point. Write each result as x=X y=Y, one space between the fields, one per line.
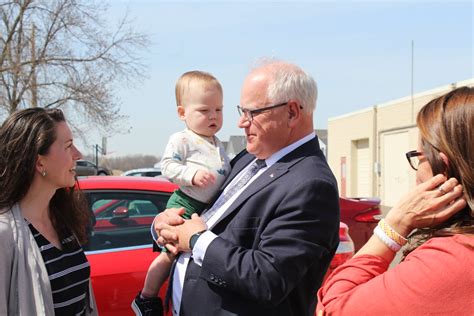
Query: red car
x=361 y=215
x=119 y=249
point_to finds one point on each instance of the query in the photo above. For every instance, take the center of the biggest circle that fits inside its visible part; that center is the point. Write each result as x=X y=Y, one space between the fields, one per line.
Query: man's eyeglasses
x=412 y=158
x=249 y=114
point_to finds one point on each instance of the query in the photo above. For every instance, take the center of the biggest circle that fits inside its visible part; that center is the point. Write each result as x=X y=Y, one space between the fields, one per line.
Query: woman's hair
x=447 y=125
x=23 y=136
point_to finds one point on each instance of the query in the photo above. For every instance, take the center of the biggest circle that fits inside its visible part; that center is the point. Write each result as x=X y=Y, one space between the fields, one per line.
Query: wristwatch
x=193 y=239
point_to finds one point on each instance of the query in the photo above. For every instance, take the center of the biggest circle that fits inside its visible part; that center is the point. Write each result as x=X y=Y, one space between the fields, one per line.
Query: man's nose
x=243 y=121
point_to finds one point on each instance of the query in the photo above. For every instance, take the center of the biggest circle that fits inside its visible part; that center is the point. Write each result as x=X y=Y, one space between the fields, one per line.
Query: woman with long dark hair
x=436 y=219
x=43 y=219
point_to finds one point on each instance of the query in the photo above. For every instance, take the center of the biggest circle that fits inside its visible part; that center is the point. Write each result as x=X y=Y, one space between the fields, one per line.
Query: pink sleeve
x=438 y=275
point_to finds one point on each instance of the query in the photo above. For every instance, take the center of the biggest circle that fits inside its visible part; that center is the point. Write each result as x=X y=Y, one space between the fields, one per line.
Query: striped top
x=68 y=271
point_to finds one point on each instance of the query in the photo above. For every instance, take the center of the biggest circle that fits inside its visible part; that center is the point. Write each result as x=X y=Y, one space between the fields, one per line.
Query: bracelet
x=390 y=243
x=392 y=233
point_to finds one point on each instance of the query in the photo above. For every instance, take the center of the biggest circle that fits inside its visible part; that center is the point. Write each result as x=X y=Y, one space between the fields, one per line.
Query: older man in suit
x=265 y=244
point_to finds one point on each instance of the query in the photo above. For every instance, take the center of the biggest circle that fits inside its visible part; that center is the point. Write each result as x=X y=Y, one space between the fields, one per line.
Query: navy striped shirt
x=68 y=271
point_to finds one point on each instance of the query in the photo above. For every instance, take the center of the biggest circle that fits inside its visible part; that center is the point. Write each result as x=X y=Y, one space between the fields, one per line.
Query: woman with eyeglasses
x=434 y=220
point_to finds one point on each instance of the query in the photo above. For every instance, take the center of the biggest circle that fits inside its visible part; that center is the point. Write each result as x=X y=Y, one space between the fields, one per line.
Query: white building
x=366 y=148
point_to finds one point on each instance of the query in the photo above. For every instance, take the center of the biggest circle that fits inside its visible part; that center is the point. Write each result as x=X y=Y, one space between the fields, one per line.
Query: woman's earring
x=43 y=173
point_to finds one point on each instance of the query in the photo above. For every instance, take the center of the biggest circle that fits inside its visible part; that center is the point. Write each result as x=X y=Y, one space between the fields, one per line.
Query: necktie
x=234 y=187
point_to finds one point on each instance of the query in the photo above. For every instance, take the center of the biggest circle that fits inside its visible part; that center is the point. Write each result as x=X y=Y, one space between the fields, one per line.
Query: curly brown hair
x=446 y=125
x=23 y=136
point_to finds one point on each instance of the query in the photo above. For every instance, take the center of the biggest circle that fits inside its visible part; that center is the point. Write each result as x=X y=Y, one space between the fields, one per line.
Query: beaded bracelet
x=390 y=243
x=392 y=233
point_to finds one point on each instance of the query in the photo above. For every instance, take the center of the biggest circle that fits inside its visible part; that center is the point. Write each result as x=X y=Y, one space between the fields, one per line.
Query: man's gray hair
x=290 y=82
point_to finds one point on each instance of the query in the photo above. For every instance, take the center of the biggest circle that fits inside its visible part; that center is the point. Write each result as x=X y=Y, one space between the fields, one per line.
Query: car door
x=120 y=245
x=123 y=218
x=85 y=168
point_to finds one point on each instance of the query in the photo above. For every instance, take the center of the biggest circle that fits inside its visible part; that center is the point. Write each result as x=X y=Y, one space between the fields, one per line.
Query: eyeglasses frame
x=412 y=154
x=249 y=114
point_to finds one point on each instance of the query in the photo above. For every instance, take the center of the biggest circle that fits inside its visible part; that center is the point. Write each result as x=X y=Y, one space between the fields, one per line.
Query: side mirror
x=120 y=212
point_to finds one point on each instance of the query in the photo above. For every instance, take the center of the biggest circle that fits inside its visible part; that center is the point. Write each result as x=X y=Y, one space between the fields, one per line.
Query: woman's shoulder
x=464 y=238
x=6 y=225
x=456 y=240
x=435 y=258
x=457 y=248
x=6 y=215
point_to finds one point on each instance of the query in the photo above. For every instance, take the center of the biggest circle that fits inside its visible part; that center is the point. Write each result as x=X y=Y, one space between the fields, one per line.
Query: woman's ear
x=181 y=113
x=445 y=159
x=40 y=168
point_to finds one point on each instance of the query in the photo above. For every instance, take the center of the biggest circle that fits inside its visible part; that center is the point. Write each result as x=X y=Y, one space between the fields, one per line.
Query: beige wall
x=390 y=130
x=345 y=132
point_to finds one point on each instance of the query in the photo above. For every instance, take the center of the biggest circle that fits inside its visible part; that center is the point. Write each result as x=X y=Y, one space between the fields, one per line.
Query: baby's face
x=202 y=109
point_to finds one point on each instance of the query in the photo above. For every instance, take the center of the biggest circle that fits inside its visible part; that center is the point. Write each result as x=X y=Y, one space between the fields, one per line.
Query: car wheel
x=101 y=173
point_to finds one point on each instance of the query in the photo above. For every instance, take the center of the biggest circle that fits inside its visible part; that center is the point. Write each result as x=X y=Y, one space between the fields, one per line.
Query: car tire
x=102 y=173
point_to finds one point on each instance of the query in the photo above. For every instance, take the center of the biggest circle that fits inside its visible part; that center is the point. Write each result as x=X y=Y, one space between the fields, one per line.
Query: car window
x=143 y=207
x=123 y=219
x=81 y=163
x=152 y=173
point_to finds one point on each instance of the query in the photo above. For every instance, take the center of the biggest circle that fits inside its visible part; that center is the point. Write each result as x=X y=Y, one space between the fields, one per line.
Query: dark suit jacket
x=274 y=242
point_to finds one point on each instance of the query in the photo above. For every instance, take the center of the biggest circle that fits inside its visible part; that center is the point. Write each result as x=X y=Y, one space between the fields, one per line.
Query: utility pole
x=412 y=77
x=96 y=153
x=103 y=150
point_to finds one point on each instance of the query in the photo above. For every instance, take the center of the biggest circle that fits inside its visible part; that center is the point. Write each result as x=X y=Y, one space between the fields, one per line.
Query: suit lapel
x=271 y=174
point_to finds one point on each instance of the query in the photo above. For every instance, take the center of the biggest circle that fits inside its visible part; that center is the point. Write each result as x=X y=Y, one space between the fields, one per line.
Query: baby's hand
x=203 y=178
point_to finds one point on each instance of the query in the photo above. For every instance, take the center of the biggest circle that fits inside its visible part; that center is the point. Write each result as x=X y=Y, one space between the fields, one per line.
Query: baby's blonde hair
x=183 y=83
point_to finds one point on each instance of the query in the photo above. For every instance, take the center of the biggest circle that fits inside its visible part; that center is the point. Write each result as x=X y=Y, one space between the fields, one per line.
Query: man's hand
x=186 y=230
x=166 y=220
x=203 y=178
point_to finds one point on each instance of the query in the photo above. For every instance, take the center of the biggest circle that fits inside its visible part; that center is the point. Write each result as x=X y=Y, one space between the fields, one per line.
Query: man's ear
x=181 y=113
x=294 y=113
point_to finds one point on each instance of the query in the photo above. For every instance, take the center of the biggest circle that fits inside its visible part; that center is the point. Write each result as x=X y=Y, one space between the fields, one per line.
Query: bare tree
x=63 y=54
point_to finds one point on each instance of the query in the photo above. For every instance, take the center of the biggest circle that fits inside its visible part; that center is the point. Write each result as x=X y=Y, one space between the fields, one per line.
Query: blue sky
x=359 y=52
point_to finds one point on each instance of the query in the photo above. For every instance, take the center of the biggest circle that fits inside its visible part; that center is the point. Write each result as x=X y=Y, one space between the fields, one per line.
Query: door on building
x=361 y=169
x=395 y=170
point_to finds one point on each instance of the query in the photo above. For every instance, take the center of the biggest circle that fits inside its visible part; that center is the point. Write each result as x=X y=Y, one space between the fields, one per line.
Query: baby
x=194 y=159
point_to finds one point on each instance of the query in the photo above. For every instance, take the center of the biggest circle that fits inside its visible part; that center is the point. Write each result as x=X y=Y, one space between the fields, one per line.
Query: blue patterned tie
x=234 y=187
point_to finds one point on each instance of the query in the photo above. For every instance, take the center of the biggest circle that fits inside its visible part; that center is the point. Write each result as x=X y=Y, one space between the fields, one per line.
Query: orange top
x=436 y=278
